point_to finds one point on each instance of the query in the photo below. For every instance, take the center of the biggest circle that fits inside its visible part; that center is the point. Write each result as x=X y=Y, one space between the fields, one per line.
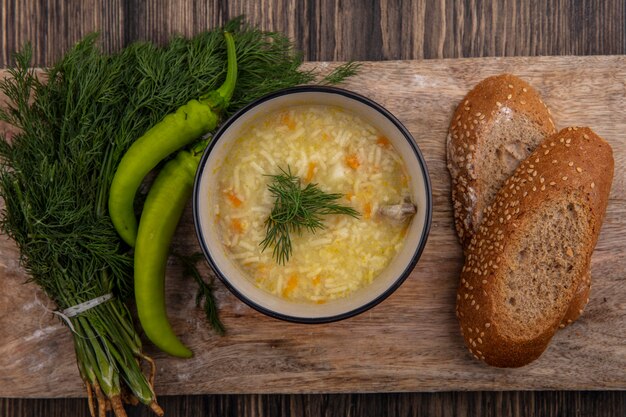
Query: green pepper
x=162 y=211
x=174 y=131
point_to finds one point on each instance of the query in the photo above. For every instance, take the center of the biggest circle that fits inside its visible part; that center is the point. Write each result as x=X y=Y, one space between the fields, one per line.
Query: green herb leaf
x=342 y=72
x=205 y=290
x=297 y=209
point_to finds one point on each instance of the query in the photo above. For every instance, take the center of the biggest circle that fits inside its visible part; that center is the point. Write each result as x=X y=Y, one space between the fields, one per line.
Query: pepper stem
x=219 y=99
x=198 y=148
x=227 y=89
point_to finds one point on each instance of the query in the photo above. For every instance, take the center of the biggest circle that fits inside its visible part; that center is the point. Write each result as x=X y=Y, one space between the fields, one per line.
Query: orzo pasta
x=340 y=152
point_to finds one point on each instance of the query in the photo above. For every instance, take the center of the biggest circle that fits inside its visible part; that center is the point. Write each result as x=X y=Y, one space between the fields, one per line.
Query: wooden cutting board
x=411 y=341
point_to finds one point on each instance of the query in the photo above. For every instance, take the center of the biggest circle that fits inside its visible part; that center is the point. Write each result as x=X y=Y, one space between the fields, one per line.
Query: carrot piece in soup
x=311 y=171
x=288 y=121
x=236 y=226
x=234 y=200
x=292 y=283
x=383 y=142
x=352 y=161
x=367 y=210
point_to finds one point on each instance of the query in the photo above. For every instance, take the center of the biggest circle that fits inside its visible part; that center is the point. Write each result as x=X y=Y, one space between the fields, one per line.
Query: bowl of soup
x=312 y=204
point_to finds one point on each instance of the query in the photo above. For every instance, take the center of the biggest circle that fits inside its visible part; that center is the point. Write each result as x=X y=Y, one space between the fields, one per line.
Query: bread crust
x=574 y=161
x=579 y=302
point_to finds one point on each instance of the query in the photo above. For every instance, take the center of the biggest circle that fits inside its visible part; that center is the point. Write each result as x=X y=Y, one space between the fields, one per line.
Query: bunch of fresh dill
x=74 y=122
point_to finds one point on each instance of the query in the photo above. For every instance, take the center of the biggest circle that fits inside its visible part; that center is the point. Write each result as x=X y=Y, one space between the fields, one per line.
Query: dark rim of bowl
x=418 y=250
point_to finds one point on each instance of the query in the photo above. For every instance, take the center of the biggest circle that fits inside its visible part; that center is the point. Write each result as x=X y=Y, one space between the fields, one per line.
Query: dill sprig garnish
x=297 y=209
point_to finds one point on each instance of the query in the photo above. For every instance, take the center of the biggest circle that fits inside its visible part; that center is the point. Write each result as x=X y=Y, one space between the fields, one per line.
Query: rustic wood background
x=340 y=31
x=327 y=30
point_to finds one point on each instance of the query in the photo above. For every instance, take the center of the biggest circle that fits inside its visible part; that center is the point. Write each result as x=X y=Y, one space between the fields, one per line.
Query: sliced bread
x=496 y=126
x=525 y=265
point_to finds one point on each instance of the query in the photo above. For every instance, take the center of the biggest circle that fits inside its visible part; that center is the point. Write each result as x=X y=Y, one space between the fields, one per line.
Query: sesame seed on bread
x=526 y=262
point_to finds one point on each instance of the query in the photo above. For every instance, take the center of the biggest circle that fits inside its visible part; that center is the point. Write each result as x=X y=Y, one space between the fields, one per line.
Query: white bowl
x=359 y=301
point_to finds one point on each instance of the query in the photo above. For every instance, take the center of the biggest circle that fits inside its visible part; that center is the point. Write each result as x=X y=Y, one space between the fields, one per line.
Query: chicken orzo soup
x=342 y=154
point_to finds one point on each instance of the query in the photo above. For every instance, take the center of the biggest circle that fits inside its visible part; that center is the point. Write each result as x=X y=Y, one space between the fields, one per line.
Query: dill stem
x=125 y=322
x=105 y=372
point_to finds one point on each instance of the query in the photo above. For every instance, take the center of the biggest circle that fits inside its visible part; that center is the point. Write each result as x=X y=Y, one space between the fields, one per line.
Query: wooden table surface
x=327 y=30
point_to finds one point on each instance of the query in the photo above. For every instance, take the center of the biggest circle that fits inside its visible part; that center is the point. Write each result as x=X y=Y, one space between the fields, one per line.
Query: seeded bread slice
x=530 y=254
x=496 y=126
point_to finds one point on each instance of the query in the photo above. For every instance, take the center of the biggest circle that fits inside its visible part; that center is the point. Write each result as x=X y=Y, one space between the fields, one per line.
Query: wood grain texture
x=331 y=30
x=441 y=404
x=411 y=341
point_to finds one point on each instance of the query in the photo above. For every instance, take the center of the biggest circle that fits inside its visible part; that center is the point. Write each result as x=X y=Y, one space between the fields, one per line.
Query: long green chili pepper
x=162 y=210
x=174 y=131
